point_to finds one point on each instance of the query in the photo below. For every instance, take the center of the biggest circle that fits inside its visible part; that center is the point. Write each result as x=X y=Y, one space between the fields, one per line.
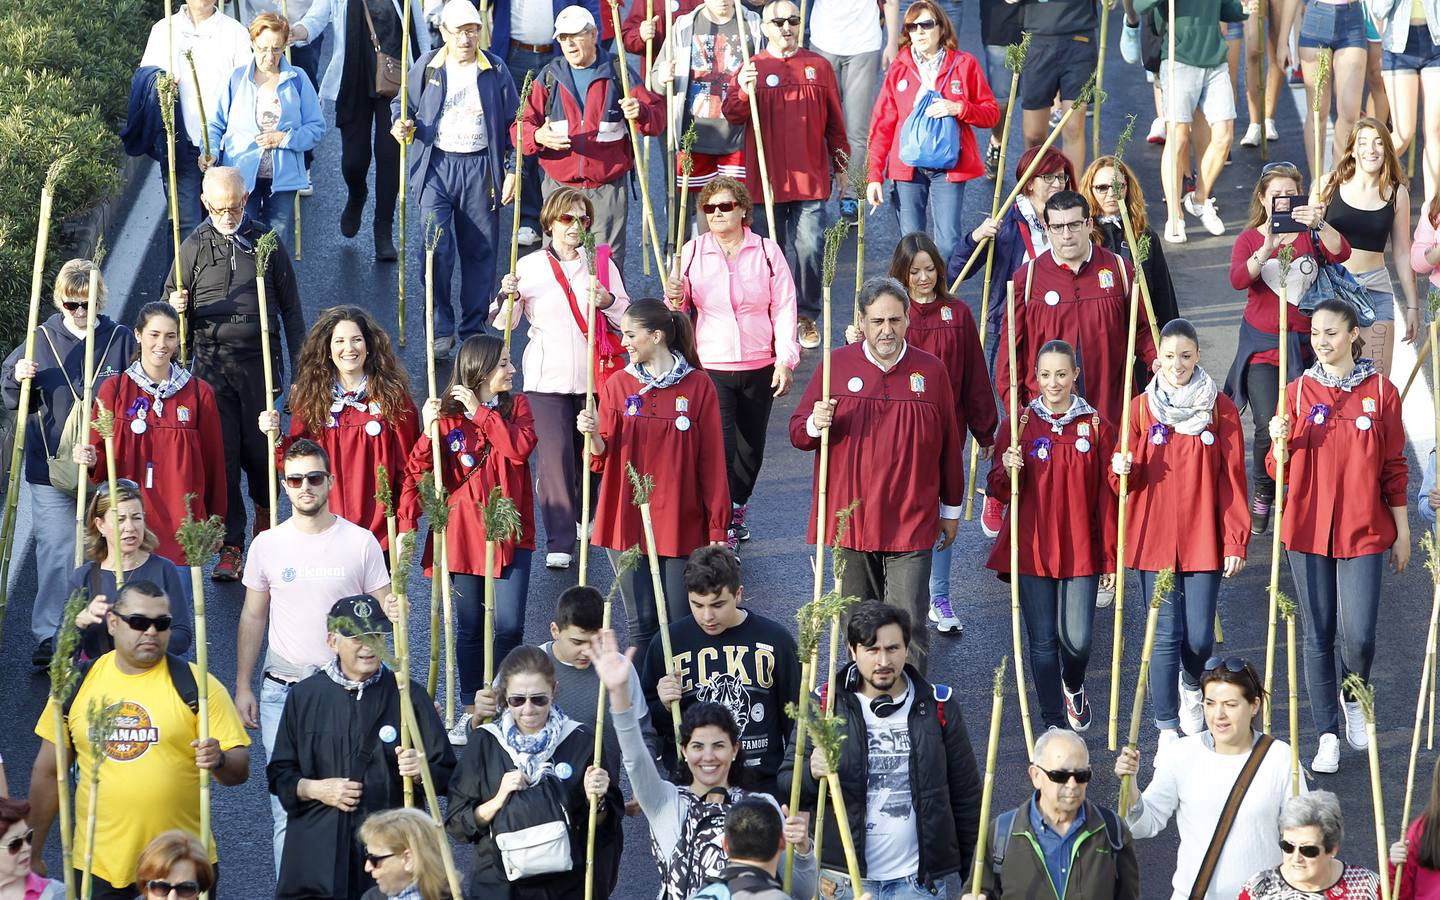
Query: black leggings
x=1262 y=383
x=357 y=137
x=745 y=401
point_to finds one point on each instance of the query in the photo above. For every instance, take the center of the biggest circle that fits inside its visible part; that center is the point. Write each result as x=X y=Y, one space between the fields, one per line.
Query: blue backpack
x=927 y=143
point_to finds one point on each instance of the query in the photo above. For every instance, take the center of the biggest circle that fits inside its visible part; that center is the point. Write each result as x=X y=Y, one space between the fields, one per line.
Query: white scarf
x=1189 y=409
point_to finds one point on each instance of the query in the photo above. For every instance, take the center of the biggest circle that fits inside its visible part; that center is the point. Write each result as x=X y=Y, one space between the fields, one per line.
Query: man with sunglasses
x=338 y=756
x=152 y=782
x=1058 y=839
x=295 y=573
x=796 y=93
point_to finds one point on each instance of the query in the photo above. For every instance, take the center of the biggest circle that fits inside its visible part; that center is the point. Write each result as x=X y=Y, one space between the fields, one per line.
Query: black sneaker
x=44 y=650
x=992 y=160
x=1260 y=513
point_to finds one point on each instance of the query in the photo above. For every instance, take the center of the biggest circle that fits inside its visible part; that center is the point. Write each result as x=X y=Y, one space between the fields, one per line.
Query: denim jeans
x=469 y=599
x=519 y=62
x=945 y=200
x=905 y=888
x=940 y=570
x=273 y=211
x=187 y=185
x=52 y=521
x=800 y=229
x=272 y=704
x=1338 y=597
x=1184 y=639
x=1059 y=613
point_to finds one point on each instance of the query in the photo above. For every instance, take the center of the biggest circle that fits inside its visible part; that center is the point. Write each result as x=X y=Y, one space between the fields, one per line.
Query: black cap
x=359 y=615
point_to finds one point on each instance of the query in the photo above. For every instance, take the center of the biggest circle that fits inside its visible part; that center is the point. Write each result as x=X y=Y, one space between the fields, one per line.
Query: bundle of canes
x=1014 y=61
x=1432 y=562
x=1087 y=94
x=992 y=750
x=264 y=248
x=627 y=561
x=647 y=214
x=168 y=91
x=400 y=558
x=1286 y=256
x=101 y=719
x=1289 y=610
x=199 y=541
x=435 y=503
x=64 y=681
x=404 y=98
x=768 y=192
x=32 y=322
x=525 y=89
x=640 y=488
x=1427 y=348
x=502 y=524
x=854 y=177
x=1164 y=584
x=104 y=425
x=87 y=399
x=1318 y=114
x=1014 y=517
x=687 y=162
x=1364 y=695
x=1118 y=641
x=825 y=731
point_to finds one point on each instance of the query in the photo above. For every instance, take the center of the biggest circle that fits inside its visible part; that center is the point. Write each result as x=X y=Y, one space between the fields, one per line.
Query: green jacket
x=1198 y=41
x=1098 y=872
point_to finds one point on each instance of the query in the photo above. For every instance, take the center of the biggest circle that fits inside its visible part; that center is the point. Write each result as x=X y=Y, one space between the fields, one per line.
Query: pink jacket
x=745 y=307
x=554 y=361
x=1425 y=238
x=1418 y=883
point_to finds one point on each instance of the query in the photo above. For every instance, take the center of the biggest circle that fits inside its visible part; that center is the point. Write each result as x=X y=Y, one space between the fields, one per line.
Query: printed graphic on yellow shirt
x=134 y=732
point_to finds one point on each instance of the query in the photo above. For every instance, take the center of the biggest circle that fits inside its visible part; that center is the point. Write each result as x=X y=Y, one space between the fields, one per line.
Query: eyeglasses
x=1101 y=188
x=121 y=484
x=1309 y=851
x=1062 y=227
x=922 y=25
x=74 y=305
x=1060 y=776
x=792 y=21
x=723 y=206
x=24 y=840
x=374 y=860
x=183 y=889
x=539 y=701
x=1054 y=179
x=570 y=219
x=144 y=623
x=268 y=51
x=314 y=479
x=1277 y=166
x=1230 y=664
x=225 y=211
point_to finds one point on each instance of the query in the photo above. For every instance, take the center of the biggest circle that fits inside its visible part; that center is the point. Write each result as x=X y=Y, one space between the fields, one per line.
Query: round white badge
x=373 y=427
x=1083 y=445
x=772 y=80
x=1052 y=298
x=1363 y=423
x=138 y=426
x=855 y=385
x=1207 y=438
x=1042 y=453
x=682 y=423
x=1319 y=418
x=902 y=85
x=388 y=734
x=564 y=770
x=467 y=460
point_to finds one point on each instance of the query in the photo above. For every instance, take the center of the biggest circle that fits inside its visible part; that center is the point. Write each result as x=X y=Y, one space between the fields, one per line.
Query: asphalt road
x=335 y=269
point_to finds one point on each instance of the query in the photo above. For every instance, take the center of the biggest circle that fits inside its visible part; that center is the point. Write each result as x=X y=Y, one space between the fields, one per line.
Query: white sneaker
x=1252 y=136
x=1271 y=132
x=942 y=616
x=1157 y=131
x=1104 y=598
x=460 y=732
x=1175 y=232
x=1130 y=43
x=1192 y=710
x=1355 y=734
x=528 y=236
x=1327 y=755
x=557 y=560
x=1207 y=213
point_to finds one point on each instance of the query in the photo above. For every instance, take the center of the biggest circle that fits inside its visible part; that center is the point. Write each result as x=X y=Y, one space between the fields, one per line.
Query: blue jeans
x=273 y=211
x=940 y=570
x=906 y=888
x=1337 y=596
x=1058 y=613
x=456 y=191
x=187 y=185
x=945 y=201
x=1184 y=639
x=469 y=599
x=519 y=62
x=272 y=704
x=52 y=522
x=800 y=229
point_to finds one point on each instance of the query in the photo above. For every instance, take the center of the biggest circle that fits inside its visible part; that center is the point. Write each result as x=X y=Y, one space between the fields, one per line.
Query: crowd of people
x=1077 y=376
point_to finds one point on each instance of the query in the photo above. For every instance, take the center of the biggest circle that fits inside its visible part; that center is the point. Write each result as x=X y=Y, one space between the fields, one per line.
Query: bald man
x=222 y=309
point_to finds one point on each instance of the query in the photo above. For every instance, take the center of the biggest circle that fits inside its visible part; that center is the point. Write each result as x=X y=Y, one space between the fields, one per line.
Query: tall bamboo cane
x=1432 y=562
x=1286 y=255
x=1087 y=94
x=404 y=98
x=1288 y=609
x=104 y=425
x=810 y=626
x=401 y=552
x=1014 y=517
x=768 y=192
x=854 y=177
x=1121 y=185
x=687 y=162
x=670 y=145
x=648 y=214
x=64 y=681
x=987 y=790
x=525 y=90
x=1322 y=77
x=32 y=322
x=264 y=247
x=435 y=501
x=502 y=525
x=199 y=541
x=1164 y=584
x=587 y=241
x=100 y=719
x=200 y=100
x=1433 y=303
x=168 y=90
x=1099 y=77
x=284 y=14
x=433 y=231
x=1364 y=695
x=826 y=730
x=87 y=400
x=640 y=488
x=1264 y=27
x=1171 y=95
x=1014 y=61
x=650 y=64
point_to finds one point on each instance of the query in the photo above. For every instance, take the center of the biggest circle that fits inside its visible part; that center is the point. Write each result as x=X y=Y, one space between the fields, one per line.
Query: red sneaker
x=232 y=559
x=992 y=517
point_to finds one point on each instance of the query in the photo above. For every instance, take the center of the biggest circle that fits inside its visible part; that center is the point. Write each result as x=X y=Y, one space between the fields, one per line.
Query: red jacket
x=1419 y=883
x=599 y=150
x=946 y=329
x=630 y=28
x=1067 y=511
x=1343 y=478
x=1188 y=505
x=1262 y=303
x=179 y=452
x=802 y=100
x=894 y=446
x=492 y=451
x=354 y=453
x=1089 y=309
x=690 y=505
x=961 y=80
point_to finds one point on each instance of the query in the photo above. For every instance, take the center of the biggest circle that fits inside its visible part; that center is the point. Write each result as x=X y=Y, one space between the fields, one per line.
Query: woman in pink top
x=1425 y=249
x=552 y=287
x=743 y=295
x=16 y=840
x=1418 y=852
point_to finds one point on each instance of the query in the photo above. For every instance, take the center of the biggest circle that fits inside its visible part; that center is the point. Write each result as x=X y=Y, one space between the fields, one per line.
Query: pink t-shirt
x=305 y=574
x=36 y=886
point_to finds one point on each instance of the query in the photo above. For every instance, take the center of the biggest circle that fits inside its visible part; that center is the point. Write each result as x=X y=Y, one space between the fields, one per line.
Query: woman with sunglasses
x=1254 y=377
x=57 y=382
x=930 y=68
x=1098 y=187
x=739 y=287
x=1311 y=829
x=529 y=768
x=17 y=882
x=352 y=397
x=551 y=289
x=166 y=433
x=1347 y=504
x=402 y=856
x=661 y=417
x=1191 y=782
x=1066 y=530
x=486 y=436
x=174 y=866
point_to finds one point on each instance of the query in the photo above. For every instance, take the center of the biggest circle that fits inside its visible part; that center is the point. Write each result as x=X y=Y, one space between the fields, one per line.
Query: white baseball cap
x=459 y=13
x=573 y=20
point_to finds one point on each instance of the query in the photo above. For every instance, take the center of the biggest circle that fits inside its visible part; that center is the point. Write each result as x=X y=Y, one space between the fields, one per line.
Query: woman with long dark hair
x=1417 y=852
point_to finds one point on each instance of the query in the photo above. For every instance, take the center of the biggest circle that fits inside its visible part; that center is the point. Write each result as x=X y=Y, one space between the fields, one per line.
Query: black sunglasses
x=314 y=479
x=571 y=219
x=925 y=24
x=539 y=701
x=121 y=484
x=1081 y=776
x=1277 y=166
x=724 y=206
x=24 y=840
x=145 y=623
x=183 y=889
x=793 y=21
x=1229 y=663
x=74 y=305
x=374 y=860
x=1309 y=851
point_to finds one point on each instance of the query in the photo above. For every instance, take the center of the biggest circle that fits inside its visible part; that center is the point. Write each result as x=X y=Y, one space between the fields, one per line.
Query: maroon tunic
x=946 y=329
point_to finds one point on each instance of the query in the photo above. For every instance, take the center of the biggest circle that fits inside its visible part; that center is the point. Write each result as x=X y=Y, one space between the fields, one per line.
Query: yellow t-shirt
x=148 y=780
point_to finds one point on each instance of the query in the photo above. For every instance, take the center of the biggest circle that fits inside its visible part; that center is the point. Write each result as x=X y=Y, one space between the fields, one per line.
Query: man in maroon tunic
x=896 y=448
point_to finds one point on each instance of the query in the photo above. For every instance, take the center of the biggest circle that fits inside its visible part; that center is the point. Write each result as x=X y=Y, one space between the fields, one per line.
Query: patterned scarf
x=534 y=750
x=175 y=379
x=1188 y=409
x=411 y=892
x=341 y=398
x=669 y=379
x=1078 y=408
x=1039 y=236
x=1364 y=368
x=332 y=668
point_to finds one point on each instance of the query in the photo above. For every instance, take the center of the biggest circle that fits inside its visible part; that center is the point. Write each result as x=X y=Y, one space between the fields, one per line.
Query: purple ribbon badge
x=1318 y=413
x=1159 y=434
x=1040 y=448
x=138 y=408
x=456 y=440
x=633 y=404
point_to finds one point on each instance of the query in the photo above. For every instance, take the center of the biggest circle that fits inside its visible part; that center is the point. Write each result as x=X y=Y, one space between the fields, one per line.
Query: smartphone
x=1282 y=220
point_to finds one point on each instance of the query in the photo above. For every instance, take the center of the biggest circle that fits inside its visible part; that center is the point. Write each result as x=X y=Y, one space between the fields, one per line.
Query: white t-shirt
x=461 y=128
x=532 y=21
x=846 y=27
x=892 y=844
x=305 y=574
x=220 y=45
